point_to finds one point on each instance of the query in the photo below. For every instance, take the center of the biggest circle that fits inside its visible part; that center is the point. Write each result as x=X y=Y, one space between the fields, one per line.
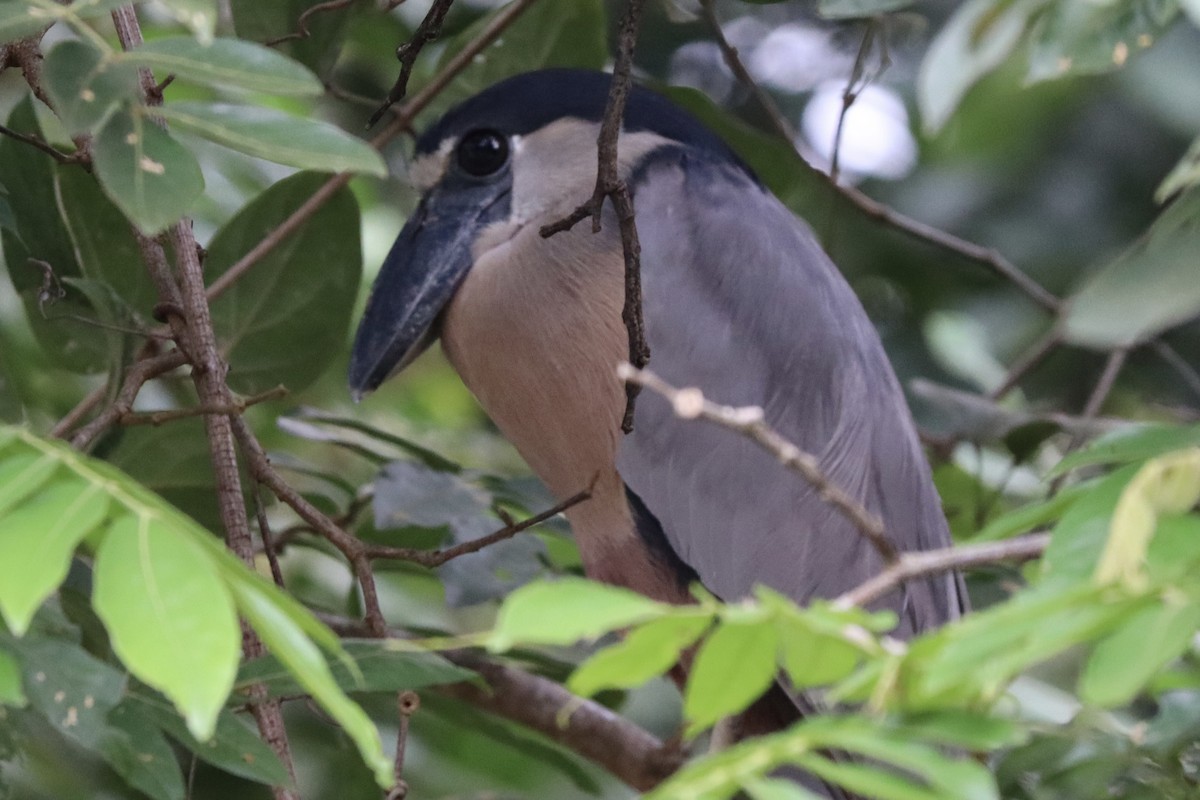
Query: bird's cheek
x=495 y=235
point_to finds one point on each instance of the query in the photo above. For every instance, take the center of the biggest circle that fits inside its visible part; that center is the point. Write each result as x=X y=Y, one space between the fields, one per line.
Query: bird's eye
x=482 y=153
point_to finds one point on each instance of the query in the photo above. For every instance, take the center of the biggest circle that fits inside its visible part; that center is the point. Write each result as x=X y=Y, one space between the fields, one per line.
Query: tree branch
x=610 y=185
x=407 y=53
x=690 y=403
x=921 y=564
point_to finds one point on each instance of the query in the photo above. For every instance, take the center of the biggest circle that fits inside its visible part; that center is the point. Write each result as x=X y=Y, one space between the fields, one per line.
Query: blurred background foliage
x=1041 y=130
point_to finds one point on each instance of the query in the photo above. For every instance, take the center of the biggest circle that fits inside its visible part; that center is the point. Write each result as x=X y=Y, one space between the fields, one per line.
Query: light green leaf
x=971 y=730
x=1027 y=517
x=234 y=747
x=1169 y=484
x=814 y=655
x=1077 y=37
x=21 y=474
x=226 y=63
x=851 y=9
x=1130 y=444
x=777 y=789
x=1185 y=175
x=977 y=38
x=170 y=617
x=1123 y=664
x=1080 y=534
x=566 y=611
x=276 y=136
x=304 y=290
x=11 y=692
x=646 y=652
x=289 y=643
x=200 y=16
x=85 y=85
x=37 y=540
x=734 y=665
x=150 y=176
x=1147 y=289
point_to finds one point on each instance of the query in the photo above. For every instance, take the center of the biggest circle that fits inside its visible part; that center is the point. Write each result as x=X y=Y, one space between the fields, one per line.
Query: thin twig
x=402 y=121
x=922 y=564
x=302 y=31
x=690 y=403
x=426 y=32
x=1029 y=360
x=873 y=208
x=43 y=145
x=435 y=558
x=237 y=406
x=1183 y=369
x=135 y=377
x=610 y=185
x=84 y=407
x=407 y=704
x=1108 y=378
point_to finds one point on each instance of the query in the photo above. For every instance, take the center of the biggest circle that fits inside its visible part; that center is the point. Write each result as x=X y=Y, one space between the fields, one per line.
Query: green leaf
x=977 y=38
x=1026 y=518
x=72 y=689
x=40 y=234
x=373 y=666
x=646 y=652
x=226 y=63
x=777 y=789
x=564 y=34
x=234 y=747
x=200 y=16
x=85 y=85
x=258 y=21
x=734 y=665
x=11 y=691
x=149 y=175
x=21 y=474
x=409 y=493
x=566 y=611
x=815 y=654
x=37 y=540
x=1082 y=37
x=302 y=291
x=1135 y=443
x=21 y=18
x=174 y=462
x=1169 y=484
x=1185 y=175
x=970 y=730
x=170 y=617
x=851 y=9
x=292 y=646
x=1079 y=536
x=1147 y=289
x=276 y=136
x=137 y=750
x=1123 y=664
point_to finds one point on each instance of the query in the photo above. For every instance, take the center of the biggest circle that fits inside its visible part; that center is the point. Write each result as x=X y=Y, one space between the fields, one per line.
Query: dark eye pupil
x=482 y=153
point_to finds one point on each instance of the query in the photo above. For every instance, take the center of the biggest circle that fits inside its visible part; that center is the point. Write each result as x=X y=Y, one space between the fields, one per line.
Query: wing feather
x=758 y=315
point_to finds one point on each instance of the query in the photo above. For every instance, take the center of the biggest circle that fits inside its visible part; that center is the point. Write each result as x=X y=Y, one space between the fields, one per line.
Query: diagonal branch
x=925 y=563
x=407 y=53
x=690 y=403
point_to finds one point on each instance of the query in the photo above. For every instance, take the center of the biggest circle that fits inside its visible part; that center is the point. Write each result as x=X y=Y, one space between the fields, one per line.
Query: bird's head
x=521 y=149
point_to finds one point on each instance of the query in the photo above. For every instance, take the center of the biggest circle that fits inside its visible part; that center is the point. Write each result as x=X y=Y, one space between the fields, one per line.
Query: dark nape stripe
x=652 y=534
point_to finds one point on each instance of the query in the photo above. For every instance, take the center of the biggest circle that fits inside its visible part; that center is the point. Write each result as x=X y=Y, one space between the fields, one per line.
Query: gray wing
x=757 y=314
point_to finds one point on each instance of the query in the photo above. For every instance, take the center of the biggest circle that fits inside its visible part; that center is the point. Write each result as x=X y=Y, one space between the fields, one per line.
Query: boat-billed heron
x=740 y=301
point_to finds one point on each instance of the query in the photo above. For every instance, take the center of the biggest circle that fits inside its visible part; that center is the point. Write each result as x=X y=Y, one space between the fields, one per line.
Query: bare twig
x=302 y=31
x=407 y=54
x=1112 y=368
x=236 y=406
x=208 y=374
x=435 y=558
x=43 y=145
x=403 y=120
x=873 y=208
x=76 y=415
x=135 y=377
x=690 y=403
x=1028 y=360
x=855 y=84
x=922 y=564
x=1186 y=372
x=610 y=185
x=407 y=704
